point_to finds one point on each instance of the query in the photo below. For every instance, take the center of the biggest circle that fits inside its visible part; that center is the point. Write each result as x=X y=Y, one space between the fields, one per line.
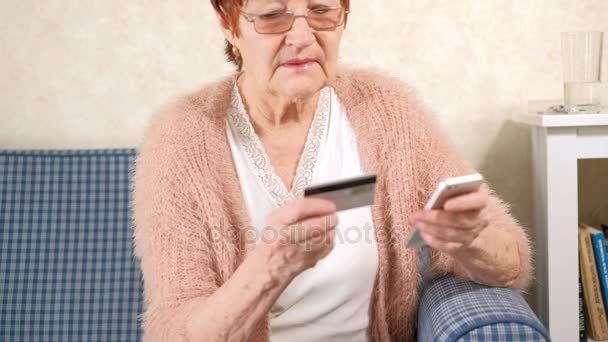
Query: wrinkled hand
x=454 y=228
x=298 y=235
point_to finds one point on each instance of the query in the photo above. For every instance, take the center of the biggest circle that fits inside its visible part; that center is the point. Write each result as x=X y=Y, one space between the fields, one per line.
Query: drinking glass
x=582 y=59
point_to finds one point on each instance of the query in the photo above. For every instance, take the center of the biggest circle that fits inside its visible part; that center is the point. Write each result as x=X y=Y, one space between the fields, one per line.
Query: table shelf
x=558 y=142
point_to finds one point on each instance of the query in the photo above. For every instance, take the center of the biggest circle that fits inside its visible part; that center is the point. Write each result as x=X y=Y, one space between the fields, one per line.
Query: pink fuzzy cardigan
x=192 y=229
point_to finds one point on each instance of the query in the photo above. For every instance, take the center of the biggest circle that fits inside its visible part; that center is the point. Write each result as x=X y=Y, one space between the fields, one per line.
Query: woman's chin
x=299 y=86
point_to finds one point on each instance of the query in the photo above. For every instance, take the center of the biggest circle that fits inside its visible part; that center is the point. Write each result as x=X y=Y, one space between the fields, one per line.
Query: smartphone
x=446 y=189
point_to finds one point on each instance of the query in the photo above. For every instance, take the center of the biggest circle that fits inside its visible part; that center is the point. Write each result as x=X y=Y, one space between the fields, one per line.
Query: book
x=598 y=324
x=582 y=333
x=601 y=259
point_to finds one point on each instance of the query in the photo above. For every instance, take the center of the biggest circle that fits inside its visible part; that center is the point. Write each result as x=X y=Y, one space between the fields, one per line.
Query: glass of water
x=582 y=60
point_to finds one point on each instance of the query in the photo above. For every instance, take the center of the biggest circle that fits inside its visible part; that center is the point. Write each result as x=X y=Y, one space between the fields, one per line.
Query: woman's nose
x=301 y=34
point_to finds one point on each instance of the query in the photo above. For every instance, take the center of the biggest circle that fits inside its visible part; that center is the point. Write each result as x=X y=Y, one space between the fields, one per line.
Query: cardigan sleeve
x=169 y=236
x=438 y=159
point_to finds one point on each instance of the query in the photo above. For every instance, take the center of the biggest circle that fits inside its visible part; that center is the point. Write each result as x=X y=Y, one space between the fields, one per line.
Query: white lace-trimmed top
x=329 y=302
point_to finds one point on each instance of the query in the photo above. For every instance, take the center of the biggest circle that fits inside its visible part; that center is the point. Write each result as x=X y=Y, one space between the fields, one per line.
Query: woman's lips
x=299 y=64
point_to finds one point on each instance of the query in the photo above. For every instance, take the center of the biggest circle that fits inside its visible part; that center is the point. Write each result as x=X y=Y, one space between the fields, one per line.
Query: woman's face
x=294 y=64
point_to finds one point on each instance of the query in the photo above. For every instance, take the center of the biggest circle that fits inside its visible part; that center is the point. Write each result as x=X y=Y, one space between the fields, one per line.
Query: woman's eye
x=271 y=15
x=320 y=10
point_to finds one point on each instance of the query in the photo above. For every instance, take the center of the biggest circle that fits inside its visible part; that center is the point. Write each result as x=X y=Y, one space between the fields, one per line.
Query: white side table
x=558 y=141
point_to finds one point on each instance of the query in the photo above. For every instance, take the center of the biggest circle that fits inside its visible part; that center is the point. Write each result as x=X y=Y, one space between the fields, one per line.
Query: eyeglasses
x=321 y=18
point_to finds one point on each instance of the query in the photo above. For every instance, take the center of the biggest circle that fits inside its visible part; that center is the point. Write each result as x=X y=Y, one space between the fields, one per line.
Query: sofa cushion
x=67 y=270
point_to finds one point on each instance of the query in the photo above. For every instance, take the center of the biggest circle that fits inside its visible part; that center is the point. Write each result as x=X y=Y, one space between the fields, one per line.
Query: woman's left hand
x=453 y=229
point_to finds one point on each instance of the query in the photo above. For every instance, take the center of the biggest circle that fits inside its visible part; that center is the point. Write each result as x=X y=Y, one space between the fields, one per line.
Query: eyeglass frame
x=248 y=18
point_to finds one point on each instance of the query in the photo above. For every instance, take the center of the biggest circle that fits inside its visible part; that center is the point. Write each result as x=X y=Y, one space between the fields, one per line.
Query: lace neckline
x=258 y=159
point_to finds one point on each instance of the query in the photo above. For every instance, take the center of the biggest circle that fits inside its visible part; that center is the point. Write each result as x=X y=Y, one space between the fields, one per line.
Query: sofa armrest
x=453 y=309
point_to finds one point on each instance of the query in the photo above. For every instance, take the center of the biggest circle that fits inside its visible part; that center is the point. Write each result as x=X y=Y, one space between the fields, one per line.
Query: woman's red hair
x=229 y=11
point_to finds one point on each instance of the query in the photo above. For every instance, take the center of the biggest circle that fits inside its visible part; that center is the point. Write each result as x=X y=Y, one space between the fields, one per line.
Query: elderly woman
x=219 y=194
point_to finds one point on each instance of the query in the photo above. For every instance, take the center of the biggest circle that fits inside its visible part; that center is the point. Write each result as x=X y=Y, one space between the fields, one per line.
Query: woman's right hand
x=298 y=235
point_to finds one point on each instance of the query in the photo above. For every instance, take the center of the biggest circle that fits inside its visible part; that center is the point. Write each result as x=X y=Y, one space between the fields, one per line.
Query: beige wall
x=89 y=73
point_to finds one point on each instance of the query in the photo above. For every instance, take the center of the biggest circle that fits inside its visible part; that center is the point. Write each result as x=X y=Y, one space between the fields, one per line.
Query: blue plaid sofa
x=68 y=273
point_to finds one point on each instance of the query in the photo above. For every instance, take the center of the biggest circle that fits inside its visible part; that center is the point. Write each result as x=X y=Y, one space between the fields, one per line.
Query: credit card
x=346 y=193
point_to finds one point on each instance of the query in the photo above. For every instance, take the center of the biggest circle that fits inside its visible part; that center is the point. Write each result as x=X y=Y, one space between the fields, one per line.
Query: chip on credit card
x=346 y=193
